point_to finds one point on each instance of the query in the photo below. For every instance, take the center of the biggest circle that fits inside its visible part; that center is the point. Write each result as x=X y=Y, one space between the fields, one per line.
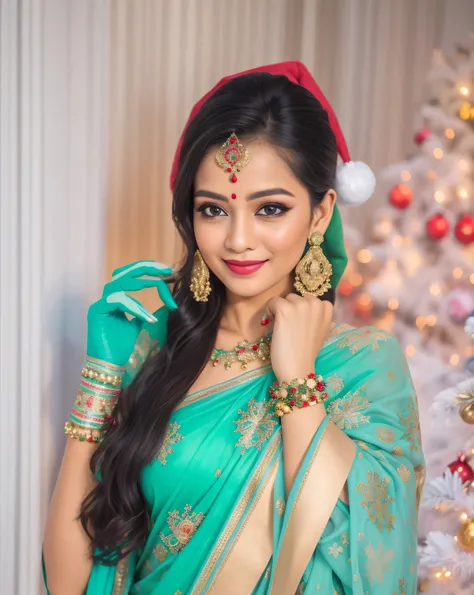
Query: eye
x=210 y=211
x=273 y=210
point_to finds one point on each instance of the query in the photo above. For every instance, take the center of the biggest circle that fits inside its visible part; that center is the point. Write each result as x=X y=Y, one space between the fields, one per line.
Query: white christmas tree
x=411 y=272
x=414 y=273
x=447 y=553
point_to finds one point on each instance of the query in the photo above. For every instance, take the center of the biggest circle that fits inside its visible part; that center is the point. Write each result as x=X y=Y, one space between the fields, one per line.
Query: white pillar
x=53 y=148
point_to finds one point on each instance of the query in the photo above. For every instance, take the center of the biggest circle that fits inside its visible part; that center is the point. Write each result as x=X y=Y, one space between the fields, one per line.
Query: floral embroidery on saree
x=385 y=434
x=256 y=424
x=280 y=506
x=335 y=383
x=377 y=500
x=363 y=337
x=402 y=587
x=346 y=411
x=404 y=473
x=171 y=437
x=378 y=562
x=182 y=527
x=412 y=424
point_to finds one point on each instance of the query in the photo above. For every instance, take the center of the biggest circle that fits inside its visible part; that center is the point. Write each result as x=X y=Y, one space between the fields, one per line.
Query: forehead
x=266 y=169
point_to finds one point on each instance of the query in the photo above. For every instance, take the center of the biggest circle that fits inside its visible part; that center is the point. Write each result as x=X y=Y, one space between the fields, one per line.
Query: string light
x=431 y=320
x=449 y=132
x=439 y=196
x=364 y=256
x=463 y=165
x=464 y=91
x=463 y=193
x=421 y=322
x=471 y=278
x=435 y=289
x=410 y=350
x=393 y=304
x=458 y=273
x=454 y=359
x=405 y=175
x=438 y=153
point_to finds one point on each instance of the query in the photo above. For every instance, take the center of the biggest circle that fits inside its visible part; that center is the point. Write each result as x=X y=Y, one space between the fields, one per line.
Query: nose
x=241 y=235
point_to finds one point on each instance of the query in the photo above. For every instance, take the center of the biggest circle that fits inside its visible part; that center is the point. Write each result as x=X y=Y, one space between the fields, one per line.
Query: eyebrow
x=253 y=196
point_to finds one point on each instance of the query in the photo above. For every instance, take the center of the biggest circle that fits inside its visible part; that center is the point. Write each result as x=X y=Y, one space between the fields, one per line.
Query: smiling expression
x=267 y=224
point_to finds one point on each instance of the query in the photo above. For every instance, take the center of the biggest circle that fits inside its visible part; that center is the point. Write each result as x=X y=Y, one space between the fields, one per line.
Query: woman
x=249 y=444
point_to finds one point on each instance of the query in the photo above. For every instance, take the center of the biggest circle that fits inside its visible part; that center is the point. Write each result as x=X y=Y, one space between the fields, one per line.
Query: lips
x=244 y=267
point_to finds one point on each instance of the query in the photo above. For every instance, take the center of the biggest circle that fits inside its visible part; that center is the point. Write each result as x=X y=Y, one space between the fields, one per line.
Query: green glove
x=111 y=336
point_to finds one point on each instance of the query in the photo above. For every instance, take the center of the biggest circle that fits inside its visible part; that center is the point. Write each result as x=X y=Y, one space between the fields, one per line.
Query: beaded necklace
x=244 y=352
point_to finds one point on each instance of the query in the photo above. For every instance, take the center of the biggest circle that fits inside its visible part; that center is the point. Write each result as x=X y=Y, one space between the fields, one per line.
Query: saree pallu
x=221 y=522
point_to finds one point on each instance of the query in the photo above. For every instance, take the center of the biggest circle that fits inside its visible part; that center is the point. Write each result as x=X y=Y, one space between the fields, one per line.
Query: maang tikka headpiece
x=232 y=157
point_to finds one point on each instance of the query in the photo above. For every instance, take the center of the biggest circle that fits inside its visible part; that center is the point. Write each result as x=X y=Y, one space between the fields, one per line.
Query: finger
x=119 y=300
x=141 y=267
x=166 y=296
x=131 y=284
x=294 y=297
x=145 y=270
x=274 y=304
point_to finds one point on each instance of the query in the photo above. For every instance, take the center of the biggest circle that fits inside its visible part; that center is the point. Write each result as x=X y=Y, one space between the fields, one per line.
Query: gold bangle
x=114 y=380
x=82 y=434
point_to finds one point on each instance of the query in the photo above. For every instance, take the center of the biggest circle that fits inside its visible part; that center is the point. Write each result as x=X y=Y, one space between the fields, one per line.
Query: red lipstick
x=244 y=267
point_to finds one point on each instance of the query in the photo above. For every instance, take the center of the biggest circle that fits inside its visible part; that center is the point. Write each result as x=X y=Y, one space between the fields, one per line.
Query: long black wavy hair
x=258 y=105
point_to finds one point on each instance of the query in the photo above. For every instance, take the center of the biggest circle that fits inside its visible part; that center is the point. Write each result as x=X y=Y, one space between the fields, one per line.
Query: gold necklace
x=244 y=352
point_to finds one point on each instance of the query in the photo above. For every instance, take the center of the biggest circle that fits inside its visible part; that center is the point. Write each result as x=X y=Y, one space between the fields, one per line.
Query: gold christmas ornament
x=200 y=285
x=465 y=535
x=313 y=272
x=466 y=409
x=467 y=413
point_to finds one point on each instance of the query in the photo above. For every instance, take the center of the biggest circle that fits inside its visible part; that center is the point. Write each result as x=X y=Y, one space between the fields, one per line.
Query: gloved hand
x=111 y=336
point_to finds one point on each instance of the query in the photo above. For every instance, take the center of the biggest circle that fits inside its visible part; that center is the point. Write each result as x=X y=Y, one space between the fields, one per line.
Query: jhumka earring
x=313 y=272
x=200 y=285
x=232 y=157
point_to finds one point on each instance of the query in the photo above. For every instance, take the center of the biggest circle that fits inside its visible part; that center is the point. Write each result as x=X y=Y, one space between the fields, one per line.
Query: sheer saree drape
x=220 y=520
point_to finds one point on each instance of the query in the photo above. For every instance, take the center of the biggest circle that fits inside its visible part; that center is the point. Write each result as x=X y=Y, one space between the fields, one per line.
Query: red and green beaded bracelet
x=300 y=392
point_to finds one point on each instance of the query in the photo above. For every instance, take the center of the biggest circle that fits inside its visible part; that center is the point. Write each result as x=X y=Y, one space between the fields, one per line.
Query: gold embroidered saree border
x=221 y=386
x=256 y=528
x=329 y=468
x=120 y=577
x=247 y=376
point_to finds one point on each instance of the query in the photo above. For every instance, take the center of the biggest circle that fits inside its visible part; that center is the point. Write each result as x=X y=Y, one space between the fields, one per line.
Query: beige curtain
x=369 y=57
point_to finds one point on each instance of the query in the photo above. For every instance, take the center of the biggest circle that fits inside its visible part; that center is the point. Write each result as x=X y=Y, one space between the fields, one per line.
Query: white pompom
x=355 y=183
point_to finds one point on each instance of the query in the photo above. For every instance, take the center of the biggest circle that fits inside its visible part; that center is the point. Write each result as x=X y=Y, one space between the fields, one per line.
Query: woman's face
x=269 y=221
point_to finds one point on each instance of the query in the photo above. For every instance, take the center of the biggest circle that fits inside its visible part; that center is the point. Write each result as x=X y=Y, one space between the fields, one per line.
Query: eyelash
x=282 y=208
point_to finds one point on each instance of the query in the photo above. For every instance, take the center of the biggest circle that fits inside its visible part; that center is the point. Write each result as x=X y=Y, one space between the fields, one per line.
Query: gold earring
x=314 y=270
x=200 y=285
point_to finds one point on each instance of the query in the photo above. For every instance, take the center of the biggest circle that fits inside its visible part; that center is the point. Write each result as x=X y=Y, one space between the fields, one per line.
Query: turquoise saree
x=220 y=520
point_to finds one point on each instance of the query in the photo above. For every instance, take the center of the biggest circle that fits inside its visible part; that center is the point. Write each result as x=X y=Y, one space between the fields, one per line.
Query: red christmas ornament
x=401 y=196
x=465 y=229
x=422 y=135
x=437 y=226
x=466 y=472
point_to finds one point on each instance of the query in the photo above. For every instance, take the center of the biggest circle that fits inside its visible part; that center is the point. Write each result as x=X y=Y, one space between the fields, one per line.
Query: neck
x=242 y=315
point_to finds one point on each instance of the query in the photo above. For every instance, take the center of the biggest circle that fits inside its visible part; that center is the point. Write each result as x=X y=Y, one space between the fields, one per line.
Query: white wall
x=53 y=148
